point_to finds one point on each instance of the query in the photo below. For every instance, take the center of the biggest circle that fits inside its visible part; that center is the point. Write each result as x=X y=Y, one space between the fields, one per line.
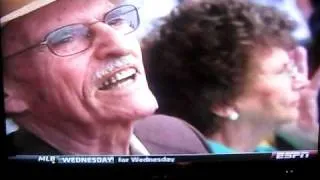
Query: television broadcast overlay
x=214 y=83
x=294 y=154
x=75 y=159
x=161 y=159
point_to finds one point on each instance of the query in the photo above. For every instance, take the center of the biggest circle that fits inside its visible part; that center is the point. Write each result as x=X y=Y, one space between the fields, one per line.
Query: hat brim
x=32 y=6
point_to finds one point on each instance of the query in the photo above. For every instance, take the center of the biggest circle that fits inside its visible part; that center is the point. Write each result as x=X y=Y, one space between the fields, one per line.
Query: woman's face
x=272 y=92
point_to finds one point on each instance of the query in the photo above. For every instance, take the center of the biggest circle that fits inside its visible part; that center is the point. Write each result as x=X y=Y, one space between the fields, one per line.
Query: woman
x=231 y=69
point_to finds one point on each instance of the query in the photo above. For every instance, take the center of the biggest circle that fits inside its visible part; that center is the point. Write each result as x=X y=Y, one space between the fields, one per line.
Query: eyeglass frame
x=45 y=41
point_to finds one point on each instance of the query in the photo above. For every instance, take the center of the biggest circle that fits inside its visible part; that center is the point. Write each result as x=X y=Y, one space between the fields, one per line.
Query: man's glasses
x=76 y=38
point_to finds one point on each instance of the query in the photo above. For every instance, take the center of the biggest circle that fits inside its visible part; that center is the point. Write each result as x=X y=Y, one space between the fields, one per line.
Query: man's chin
x=136 y=114
x=146 y=107
x=137 y=108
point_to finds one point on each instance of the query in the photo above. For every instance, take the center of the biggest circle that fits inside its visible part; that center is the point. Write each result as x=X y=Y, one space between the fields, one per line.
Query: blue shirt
x=218 y=148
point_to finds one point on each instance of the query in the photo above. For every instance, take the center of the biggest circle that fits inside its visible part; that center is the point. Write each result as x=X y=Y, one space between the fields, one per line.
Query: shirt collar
x=219 y=148
x=136 y=147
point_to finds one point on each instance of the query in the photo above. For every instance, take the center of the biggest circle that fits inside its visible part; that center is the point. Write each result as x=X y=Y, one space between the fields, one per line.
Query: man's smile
x=118 y=73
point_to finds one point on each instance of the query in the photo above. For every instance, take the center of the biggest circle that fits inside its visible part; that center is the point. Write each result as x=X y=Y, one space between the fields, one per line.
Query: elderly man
x=74 y=82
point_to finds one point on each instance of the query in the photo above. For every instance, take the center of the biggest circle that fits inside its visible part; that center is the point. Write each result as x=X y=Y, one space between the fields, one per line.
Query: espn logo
x=291 y=154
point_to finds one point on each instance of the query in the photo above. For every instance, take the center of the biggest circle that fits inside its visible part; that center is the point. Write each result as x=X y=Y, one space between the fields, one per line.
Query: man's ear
x=13 y=104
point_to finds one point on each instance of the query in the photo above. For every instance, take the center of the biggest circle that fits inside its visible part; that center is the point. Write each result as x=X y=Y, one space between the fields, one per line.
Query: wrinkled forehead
x=31 y=28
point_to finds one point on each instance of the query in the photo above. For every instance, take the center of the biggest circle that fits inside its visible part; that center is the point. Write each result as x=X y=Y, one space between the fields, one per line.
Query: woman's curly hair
x=199 y=57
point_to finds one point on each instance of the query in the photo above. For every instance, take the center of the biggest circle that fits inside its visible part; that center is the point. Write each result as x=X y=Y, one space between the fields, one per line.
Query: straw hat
x=12 y=9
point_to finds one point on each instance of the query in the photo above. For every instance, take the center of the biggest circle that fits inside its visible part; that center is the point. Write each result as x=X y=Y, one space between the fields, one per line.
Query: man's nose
x=108 y=42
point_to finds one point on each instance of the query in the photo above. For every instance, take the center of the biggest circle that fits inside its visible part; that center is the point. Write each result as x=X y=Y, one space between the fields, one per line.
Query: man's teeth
x=124 y=83
x=113 y=80
x=111 y=66
x=124 y=74
x=120 y=78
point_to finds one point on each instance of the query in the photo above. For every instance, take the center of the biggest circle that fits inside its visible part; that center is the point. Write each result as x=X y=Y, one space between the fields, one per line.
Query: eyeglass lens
x=76 y=38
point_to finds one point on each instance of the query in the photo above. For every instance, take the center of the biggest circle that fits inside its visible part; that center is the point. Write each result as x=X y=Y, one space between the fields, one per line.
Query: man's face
x=103 y=83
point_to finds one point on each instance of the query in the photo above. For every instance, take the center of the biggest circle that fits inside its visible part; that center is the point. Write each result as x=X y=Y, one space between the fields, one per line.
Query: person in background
x=314 y=23
x=293 y=8
x=74 y=82
x=150 y=12
x=314 y=50
x=233 y=70
x=291 y=135
x=303 y=12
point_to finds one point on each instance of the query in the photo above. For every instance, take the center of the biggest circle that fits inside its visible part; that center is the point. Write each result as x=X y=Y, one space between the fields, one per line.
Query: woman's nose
x=300 y=81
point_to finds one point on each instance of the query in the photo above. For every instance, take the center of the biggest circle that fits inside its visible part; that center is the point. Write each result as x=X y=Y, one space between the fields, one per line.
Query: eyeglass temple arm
x=28 y=48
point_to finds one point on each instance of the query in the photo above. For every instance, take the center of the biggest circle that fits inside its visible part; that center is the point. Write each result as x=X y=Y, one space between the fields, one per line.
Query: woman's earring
x=234 y=116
